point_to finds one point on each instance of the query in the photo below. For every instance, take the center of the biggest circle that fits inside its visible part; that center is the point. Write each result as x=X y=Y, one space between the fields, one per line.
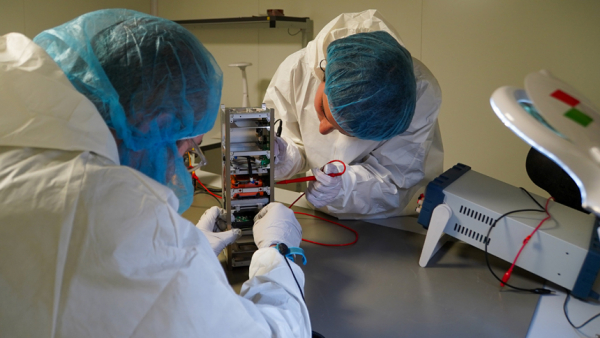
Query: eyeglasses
x=199 y=156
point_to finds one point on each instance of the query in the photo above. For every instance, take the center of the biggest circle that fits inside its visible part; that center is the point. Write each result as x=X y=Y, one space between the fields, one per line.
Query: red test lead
x=312 y=178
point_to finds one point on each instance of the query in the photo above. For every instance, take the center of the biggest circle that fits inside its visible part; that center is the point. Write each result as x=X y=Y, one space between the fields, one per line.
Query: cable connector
x=420 y=203
x=505 y=279
x=278 y=132
x=542 y=291
x=506 y=276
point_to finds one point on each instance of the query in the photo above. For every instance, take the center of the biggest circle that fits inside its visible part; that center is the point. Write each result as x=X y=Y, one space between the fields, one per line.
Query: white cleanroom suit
x=90 y=248
x=382 y=177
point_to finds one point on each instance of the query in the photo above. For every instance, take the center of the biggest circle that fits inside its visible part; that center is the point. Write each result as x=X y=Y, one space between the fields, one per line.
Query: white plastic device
x=559 y=122
x=242 y=66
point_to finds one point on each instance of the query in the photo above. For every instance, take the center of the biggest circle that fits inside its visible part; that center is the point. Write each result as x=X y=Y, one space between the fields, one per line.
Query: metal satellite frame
x=246 y=142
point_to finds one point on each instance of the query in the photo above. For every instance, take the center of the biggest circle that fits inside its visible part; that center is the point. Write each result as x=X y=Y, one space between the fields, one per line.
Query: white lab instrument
x=242 y=66
x=463 y=203
x=559 y=122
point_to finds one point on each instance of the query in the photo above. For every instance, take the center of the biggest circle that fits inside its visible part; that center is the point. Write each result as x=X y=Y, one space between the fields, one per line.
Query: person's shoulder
x=123 y=205
x=422 y=73
x=123 y=187
x=291 y=73
x=295 y=63
x=295 y=58
x=427 y=85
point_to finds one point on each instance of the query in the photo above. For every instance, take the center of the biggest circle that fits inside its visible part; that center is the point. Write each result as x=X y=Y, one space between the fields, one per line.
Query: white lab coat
x=90 y=248
x=383 y=176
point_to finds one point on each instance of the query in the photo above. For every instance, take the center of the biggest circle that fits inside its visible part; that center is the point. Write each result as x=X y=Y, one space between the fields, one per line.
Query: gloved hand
x=208 y=224
x=326 y=188
x=276 y=223
x=279 y=151
x=286 y=159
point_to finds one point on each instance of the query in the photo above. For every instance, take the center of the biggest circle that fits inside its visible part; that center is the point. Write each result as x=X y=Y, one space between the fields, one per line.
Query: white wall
x=30 y=17
x=472 y=47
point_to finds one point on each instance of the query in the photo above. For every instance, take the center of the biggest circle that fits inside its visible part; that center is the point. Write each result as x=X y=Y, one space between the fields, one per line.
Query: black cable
x=315 y=334
x=278 y=132
x=298 y=32
x=204 y=192
x=213 y=190
x=292 y=271
x=533 y=199
x=540 y=291
x=218 y=191
x=567 y=316
x=249 y=159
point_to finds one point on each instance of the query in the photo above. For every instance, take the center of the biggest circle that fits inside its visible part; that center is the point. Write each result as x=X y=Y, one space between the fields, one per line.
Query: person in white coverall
x=95 y=248
x=355 y=94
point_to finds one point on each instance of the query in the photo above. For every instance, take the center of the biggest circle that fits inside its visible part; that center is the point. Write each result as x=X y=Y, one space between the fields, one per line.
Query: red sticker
x=564 y=97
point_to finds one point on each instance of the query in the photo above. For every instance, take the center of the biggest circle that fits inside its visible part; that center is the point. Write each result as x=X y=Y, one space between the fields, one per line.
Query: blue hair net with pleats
x=370 y=85
x=152 y=81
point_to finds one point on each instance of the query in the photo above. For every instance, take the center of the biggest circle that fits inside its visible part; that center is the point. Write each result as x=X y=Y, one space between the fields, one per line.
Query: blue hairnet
x=152 y=81
x=370 y=85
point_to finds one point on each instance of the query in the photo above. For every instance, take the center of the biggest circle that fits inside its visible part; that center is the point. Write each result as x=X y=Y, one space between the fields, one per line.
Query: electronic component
x=246 y=143
x=464 y=204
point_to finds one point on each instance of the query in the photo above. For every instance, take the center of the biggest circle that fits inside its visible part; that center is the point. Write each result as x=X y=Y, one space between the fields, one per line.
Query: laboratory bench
x=375 y=288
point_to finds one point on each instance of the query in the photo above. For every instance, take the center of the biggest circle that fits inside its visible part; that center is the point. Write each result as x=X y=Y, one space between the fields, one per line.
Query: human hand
x=275 y=223
x=279 y=150
x=326 y=188
x=210 y=223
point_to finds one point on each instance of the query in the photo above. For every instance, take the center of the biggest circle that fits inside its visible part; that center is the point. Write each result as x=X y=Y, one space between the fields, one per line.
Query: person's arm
x=281 y=95
x=198 y=301
x=385 y=180
x=270 y=303
x=146 y=271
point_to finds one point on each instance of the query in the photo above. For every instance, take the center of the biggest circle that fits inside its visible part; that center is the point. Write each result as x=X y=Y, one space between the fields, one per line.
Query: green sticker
x=579 y=117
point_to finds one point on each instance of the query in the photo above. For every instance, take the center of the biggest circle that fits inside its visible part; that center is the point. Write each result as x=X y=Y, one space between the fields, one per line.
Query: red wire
x=337 y=174
x=301 y=213
x=508 y=273
x=205 y=188
x=312 y=178
x=326 y=220
x=297 y=199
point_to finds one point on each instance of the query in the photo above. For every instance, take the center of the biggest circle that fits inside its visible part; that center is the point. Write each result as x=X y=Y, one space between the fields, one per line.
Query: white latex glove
x=279 y=151
x=208 y=225
x=276 y=223
x=287 y=159
x=326 y=188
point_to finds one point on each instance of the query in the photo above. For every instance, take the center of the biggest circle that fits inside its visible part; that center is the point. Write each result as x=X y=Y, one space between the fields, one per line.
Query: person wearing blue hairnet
x=96 y=114
x=355 y=94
